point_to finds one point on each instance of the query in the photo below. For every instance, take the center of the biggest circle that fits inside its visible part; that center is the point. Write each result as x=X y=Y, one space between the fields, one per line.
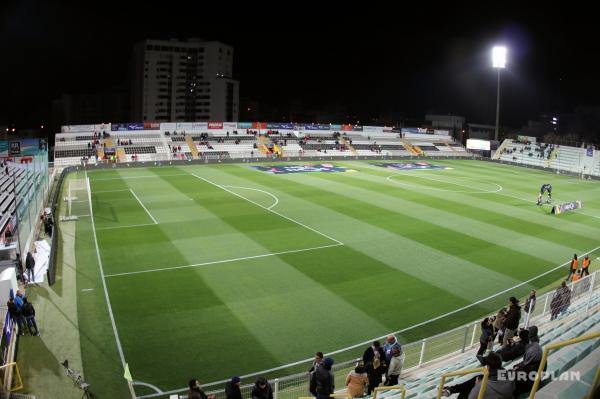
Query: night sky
x=372 y=62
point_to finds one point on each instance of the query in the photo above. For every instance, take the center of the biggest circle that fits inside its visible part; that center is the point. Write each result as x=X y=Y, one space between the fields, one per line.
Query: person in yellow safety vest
x=585 y=265
x=573 y=267
x=575 y=277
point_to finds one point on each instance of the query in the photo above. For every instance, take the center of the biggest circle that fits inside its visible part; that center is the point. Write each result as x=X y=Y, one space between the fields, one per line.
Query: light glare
x=499 y=57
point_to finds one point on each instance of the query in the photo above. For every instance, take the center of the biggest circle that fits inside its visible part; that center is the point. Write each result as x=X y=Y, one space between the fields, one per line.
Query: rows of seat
x=569 y=325
x=71 y=148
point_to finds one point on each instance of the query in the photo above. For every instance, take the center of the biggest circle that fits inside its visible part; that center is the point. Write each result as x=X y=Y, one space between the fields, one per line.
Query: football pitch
x=220 y=270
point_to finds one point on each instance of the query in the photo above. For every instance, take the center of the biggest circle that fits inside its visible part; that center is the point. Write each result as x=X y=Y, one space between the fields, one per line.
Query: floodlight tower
x=499 y=62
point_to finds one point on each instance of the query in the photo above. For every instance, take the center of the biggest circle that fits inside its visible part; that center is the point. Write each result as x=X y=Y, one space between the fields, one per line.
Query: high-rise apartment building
x=183 y=81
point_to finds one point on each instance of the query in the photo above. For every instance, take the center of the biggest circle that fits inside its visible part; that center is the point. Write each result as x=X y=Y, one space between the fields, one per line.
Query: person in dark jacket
x=30 y=267
x=317 y=362
x=512 y=319
x=374 y=361
x=532 y=358
x=262 y=389
x=195 y=392
x=322 y=381
x=497 y=386
x=487 y=335
x=232 y=388
x=560 y=301
x=515 y=347
x=16 y=315
x=29 y=314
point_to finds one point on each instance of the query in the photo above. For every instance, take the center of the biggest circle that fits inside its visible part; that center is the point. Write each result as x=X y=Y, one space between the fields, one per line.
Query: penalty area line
x=223 y=261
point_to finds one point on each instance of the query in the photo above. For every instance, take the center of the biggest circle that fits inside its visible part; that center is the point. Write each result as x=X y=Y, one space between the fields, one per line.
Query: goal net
x=76 y=193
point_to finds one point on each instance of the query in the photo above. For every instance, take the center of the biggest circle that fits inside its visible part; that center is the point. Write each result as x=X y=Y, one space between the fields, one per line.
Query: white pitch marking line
x=145 y=384
x=471 y=192
x=262 y=191
x=223 y=261
x=263 y=207
x=126 y=227
x=146 y=209
x=87 y=289
x=110 y=312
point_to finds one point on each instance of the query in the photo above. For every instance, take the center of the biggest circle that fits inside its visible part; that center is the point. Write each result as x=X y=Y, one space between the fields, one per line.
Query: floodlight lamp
x=499 y=57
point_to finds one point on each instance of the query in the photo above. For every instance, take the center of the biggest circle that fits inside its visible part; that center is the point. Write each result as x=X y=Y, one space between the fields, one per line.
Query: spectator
x=512 y=319
x=486 y=337
x=585 y=265
x=393 y=372
x=30 y=266
x=232 y=388
x=529 y=306
x=573 y=267
x=497 y=388
x=356 y=381
x=322 y=381
x=317 y=362
x=390 y=343
x=560 y=301
x=530 y=364
x=195 y=392
x=16 y=315
x=515 y=347
x=499 y=324
x=29 y=314
x=262 y=389
x=374 y=361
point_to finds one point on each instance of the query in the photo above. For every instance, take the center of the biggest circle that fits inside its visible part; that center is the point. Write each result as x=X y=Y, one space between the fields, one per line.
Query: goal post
x=75 y=189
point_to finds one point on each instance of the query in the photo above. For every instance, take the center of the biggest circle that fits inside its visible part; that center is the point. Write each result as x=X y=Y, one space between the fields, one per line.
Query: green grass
x=415 y=246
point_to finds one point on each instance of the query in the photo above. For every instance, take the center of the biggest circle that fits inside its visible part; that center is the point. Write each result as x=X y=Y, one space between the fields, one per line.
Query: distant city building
x=478 y=131
x=183 y=81
x=447 y=122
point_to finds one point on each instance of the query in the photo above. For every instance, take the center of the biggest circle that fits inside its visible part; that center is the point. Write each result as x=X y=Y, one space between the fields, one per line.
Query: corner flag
x=127 y=374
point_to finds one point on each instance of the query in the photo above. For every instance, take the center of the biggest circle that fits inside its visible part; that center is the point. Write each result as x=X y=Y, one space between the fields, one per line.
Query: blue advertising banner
x=288 y=126
x=285 y=169
x=316 y=127
x=135 y=126
x=335 y=127
x=567 y=206
x=244 y=125
x=357 y=128
x=410 y=130
x=410 y=166
x=118 y=127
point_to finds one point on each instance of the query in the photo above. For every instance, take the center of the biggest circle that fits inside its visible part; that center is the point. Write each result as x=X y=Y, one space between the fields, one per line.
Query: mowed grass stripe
x=529 y=181
x=543 y=240
x=383 y=238
x=507 y=204
x=466 y=221
x=224 y=217
x=460 y=245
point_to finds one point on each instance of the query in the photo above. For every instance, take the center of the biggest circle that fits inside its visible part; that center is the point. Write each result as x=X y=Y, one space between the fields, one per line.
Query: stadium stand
x=558 y=157
x=72 y=148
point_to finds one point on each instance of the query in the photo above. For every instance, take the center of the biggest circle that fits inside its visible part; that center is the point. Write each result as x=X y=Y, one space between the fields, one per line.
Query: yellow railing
x=8 y=372
x=482 y=370
x=402 y=389
x=558 y=345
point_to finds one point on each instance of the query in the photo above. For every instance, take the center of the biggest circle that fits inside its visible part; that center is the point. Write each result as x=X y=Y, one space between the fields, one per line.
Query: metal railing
x=558 y=345
x=401 y=387
x=482 y=370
